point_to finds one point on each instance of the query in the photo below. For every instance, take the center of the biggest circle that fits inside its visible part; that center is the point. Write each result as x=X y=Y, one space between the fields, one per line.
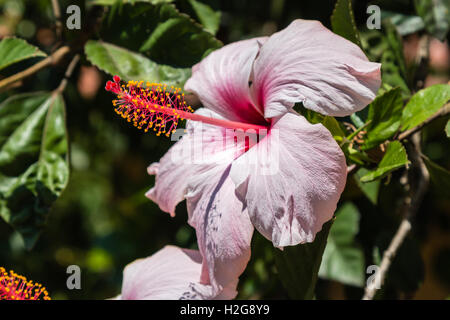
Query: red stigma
x=108 y=86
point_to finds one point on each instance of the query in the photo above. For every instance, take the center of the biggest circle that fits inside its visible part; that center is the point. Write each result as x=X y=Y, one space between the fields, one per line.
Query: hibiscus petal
x=171 y=273
x=291 y=181
x=223 y=227
x=221 y=81
x=307 y=62
x=199 y=150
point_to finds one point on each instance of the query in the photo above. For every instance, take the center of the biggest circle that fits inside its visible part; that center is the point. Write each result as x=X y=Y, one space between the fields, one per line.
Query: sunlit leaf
x=334 y=127
x=424 y=104
x=329 y=122
x=385 y=114
x=33 y=160
x=132 y=66
x=356 y=156
x=14 y=50
x=394 y=158
x=343 y=258
x=312 y=116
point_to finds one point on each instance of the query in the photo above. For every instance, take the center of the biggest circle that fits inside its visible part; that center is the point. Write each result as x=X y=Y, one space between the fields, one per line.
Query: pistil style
x=160 y=108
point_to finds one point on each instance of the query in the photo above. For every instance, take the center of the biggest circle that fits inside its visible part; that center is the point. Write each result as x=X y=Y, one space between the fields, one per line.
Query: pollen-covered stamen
x=158 y=107
x=16 y=287
x=151 y=107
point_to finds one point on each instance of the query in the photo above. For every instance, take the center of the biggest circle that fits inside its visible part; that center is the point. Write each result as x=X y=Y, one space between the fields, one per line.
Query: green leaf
x=394 y=158
x=343 y=258
x=436 y=15
x=370 y=189
x=355 y=156
x=33 y=160
x=209 y=18
x=387 y=48
x=393 y=65
x=385 y=114
x=298 y=266
x=343 y=21
x=329 y=122
x=447 y=129
x=334 y=127
x=13 y=50
x=424 y=104
x=132 y=66
x=395 y=42
x=160 y=32
x=312 y=116
x=439 y=175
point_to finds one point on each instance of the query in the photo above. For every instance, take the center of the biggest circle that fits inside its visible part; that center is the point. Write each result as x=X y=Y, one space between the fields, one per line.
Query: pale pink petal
x=308 y=63
x=221 y=81
x=171 y=273
x=199 y=150
x=223 y=227
x=291 y=181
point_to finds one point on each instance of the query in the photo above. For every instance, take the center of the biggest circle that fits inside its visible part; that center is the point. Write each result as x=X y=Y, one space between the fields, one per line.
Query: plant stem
x=445 y=110
x=389 y=254
x=57 y=13
x=68 y=73
x=412 y=203
x=52 y=59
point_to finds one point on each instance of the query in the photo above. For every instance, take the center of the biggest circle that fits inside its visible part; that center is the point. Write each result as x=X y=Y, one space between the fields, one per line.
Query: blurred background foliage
x=102 y=221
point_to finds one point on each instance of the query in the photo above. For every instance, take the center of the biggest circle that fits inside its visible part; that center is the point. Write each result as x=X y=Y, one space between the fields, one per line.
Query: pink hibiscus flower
x=254 y=84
